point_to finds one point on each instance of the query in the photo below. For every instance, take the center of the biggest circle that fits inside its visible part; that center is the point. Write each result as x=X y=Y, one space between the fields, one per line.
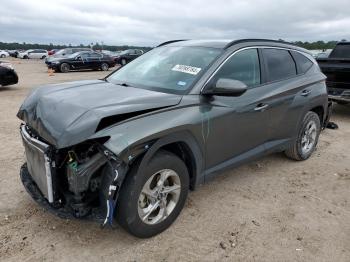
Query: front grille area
x=38 y=162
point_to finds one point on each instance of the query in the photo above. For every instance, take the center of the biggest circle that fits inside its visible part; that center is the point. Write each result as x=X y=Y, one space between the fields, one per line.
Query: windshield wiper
x=124 y=84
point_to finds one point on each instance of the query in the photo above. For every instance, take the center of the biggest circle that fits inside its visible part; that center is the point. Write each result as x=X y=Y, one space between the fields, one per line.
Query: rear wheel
x=305 y=144
x=2 y=56
x=43 y=57
x=104 y=67
x=64 y=68
x=151 y=199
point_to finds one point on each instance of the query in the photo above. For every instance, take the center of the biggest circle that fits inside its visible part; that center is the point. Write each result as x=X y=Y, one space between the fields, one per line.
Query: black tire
x=123 y=62
x=127 y=207
x=43 y=57
x=295 y=150
x=26 y=57
x=2 y=56
x=104 y=67
x=64 y=67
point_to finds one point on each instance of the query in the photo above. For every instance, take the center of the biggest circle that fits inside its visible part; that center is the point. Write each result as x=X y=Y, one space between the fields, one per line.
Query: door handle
x=306 y=92
x=261 y=107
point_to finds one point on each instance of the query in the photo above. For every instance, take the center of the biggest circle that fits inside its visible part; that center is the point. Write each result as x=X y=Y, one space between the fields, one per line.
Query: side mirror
x=226 y=87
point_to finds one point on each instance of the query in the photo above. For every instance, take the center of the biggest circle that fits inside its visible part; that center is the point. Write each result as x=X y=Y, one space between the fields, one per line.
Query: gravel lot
x=273 y=209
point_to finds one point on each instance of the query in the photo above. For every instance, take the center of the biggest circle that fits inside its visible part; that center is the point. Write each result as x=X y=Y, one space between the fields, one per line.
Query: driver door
x=80 y=61
x=237 y=126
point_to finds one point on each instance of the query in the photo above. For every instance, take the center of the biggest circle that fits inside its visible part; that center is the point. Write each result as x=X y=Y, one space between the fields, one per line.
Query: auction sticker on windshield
x=187 y=69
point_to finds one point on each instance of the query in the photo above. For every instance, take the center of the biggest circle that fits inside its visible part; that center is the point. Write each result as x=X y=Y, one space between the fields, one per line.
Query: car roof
x=225 y=44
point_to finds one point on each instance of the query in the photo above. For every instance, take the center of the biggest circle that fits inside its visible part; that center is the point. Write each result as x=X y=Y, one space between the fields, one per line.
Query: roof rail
x=171 y=41
x=257 y=40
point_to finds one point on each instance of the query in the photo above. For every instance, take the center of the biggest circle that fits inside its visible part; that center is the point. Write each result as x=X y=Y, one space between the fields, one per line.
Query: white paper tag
x=187 y=69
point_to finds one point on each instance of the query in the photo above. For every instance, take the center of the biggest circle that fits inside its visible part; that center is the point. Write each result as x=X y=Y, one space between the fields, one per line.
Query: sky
x=148 y=23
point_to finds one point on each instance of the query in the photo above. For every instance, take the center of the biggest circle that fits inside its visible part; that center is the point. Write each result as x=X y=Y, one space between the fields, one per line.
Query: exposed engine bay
x=84 y=181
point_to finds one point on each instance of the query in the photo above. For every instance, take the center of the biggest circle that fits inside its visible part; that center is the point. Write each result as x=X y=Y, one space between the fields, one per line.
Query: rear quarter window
x=302 y=62
x=280 y=64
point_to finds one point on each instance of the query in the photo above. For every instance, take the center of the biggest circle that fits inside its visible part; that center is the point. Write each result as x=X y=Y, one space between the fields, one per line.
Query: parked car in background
x=52 y=51
x=81 y=60
x=8 y=75
x=337 y=69
x=33 y=53
x=323 y=54
x=4 y=54
x=66 y=52
x=69 y=51
x=113 y=54
x=13 y=53
x=126 y=56
x=131 y=146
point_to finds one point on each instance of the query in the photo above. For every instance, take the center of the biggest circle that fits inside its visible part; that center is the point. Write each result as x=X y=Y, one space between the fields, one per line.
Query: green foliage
x=316 y=45
x=96 y=46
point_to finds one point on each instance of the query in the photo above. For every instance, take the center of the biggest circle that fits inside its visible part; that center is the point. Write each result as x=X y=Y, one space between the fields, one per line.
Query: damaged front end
x=81 y=181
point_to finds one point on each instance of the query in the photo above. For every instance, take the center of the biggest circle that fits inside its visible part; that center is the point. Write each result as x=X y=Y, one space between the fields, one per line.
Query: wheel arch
x=181 y=144
x=320 y=111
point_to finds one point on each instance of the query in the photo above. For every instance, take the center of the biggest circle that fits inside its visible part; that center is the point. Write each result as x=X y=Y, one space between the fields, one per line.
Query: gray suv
x=130 y=146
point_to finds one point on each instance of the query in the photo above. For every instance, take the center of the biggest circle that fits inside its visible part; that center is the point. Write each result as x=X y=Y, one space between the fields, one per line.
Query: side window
x=243 y=66
x=85 y=55
x=95 y=55
x=303 y=63
x=280 y=64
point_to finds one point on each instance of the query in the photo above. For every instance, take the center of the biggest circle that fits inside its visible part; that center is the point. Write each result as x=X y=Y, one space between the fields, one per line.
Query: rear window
x=303 y=63
x=341 y=51
x=280 y=64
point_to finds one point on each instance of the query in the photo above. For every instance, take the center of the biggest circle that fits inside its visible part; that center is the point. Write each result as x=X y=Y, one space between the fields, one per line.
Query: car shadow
x=341 y=110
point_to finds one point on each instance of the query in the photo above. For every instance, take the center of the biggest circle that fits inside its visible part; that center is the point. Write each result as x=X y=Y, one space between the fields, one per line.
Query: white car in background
x=33 y=53
x=4 y=54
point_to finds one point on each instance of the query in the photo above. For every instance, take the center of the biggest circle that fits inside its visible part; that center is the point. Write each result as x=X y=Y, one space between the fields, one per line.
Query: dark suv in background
x=337 y=69
x=132 y=145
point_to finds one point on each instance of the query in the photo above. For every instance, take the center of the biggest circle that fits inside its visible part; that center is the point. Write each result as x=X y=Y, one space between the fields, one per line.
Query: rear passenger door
x=283 y=94
x=33 y=54
x=94 y=60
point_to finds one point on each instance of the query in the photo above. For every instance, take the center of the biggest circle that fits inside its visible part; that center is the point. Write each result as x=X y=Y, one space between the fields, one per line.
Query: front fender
x=146 y=135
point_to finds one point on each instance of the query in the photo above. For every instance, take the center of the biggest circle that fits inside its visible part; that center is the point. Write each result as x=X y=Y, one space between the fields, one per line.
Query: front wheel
x=104 y=67
x=305 y=144
x=2 y=56
x=152 y=198
x=123 y=62
x=64 y=68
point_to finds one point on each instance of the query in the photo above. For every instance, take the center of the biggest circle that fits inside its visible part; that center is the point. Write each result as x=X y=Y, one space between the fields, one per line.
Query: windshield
x=166 y=69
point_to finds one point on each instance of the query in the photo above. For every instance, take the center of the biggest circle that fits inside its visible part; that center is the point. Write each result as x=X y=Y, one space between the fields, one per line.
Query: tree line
x=98 y=46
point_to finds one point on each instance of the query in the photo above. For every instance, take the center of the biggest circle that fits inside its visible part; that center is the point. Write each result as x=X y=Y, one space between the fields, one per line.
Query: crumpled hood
x=69 y=113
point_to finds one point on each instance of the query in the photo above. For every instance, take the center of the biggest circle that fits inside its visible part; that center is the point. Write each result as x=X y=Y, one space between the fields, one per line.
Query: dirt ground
x=273 y=209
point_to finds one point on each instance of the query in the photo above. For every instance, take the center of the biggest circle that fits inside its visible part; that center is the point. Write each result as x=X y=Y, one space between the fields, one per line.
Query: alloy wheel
x=309 y=137
x=159 y=196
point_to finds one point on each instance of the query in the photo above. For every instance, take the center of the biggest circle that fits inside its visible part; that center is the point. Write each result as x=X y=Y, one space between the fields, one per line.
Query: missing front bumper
x=64 y=212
